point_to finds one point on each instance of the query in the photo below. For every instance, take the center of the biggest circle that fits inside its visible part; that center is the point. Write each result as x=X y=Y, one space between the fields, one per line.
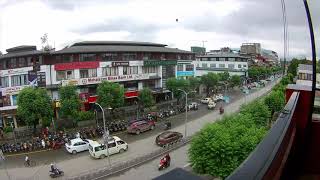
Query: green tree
x=194 y=82
x=110 y=94
x=293 y=67
x=235 y=80
x=275 y=101
x=146 y=98
x=174 y=84
x=210 y=80
x=259 y=112
x=225 y=76
x=214 y=150
x=34 y=105
x=70 y=102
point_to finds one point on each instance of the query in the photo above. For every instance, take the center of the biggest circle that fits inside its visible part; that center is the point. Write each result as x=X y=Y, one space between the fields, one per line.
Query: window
x=19 y=80
x=62 y=75
x=88 y=73
x=87 y=57
x=111 y=145
x=231 y=66
x=178 y=56
x=163 y=57
x=130 y=70
x=110 y=71
x=13 y=63
x=213 y=65
x=189 y=67
x=239 y=66
x=120 y=142
x=109 y=57
x=4 y=81
x=22 y=62
x=213 y=59
x=67 y=58
x=129 y=56
x=180 y=67
x=231 y=59
x=146 y=56
x=222 y=59
x=204 y=59
x=244 y=65
x=151 y=69
x=222 y=65
x=204 y=65
x=29 y=61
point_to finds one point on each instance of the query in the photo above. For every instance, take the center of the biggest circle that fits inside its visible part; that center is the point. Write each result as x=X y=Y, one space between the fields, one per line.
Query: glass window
x=87 y=57
x=244 y=65
x=231 y=59
x=109 y=57
x=231 y=66
x=239 y=66
x=189 y=67
x=4 y=81
x=67 y=58
x=129 y=56
x=222 y=65
x=204 y=59
x=120 y=142
x=62 y=75
x=22 y=62
x=146 y=56
x=19 y=80
x=151 y=69
x=14 y=100
x=110 y=71
x=213 y=59
x=13 y=63
x=204 y=65
x=180 y=67
x=111 y=145
x=29 y=61
x=222 y=59
x=88 y=73
x=213 y=65
x=69 y=74
x=130 y=70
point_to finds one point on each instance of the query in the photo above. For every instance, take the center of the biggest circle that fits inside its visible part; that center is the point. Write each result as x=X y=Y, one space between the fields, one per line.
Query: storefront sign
x=120 y=63
x=160 y=63
x=76 y=65
x=41 y=79
x=97 y=80
x=185 y=73
x=12 y=90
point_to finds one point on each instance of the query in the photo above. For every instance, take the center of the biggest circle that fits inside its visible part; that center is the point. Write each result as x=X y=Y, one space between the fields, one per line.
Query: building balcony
x=291 y=148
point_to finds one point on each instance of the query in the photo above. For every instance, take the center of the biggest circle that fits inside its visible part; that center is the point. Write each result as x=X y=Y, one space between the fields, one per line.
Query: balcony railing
x=267 y=161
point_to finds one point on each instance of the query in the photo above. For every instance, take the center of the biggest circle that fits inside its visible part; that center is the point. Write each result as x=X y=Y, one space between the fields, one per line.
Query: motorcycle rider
x=166 y=160
x=54 y=168
x=27 y=160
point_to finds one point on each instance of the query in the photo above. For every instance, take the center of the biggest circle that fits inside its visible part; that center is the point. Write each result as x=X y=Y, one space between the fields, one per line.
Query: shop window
x=127 y=70
x=180 y=67
x=87 y=57
x=88 y=73
x=4 y=81
x=110 y=71
x=151 y=69
x=189 y=67
x=14 y=100
x=19 y=80
x=62 y=75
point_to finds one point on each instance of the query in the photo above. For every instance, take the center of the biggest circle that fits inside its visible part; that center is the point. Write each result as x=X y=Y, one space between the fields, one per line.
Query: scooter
x=163 y=164
x=57 y=173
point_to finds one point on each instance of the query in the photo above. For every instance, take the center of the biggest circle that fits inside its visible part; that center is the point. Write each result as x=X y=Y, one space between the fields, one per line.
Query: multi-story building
x=185 y=69
x=304 y=75
x=250 y=48
x=134 y=65
x=235 y=64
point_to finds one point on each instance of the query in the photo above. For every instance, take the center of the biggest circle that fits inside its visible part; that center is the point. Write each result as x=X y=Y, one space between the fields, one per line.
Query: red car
x=141 y=126
x=168 y=137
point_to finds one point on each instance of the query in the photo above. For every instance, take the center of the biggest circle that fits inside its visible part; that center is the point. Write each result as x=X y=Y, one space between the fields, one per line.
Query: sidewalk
x=139 y=148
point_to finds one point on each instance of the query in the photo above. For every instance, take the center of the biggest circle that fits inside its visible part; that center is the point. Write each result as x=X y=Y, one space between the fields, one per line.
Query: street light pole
x=105 y=133
x=186 y=119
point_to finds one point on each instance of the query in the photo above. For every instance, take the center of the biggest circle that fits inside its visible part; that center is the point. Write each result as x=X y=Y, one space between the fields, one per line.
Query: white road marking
x=186 y=165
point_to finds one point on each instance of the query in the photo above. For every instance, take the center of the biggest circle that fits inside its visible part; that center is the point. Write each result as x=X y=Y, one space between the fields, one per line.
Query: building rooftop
x=231 y=55
x=19 y=51
x=305 y=67
x=117 y=46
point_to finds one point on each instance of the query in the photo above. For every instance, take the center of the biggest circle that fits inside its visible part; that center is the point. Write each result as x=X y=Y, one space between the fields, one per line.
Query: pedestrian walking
x=43 y=144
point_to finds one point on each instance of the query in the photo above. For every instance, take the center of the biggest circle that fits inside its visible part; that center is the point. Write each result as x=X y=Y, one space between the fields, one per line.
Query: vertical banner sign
x=41 y=79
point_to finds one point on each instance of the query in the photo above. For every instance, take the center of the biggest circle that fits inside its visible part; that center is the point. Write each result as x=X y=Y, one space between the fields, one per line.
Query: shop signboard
x=41 y=79
x=97 y=80
x=120 y=63
x=12 y=90
x=160 y=63
x=185 y=73
x=77 y=65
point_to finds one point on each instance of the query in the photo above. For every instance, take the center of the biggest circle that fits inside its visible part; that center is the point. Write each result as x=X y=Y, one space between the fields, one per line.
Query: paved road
x=138 y=147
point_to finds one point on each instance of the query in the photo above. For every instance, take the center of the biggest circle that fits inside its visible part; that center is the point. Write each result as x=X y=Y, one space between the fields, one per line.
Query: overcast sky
x=219 y=22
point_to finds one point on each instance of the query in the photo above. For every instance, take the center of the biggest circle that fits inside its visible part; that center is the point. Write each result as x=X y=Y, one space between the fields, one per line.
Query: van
x=115 y=145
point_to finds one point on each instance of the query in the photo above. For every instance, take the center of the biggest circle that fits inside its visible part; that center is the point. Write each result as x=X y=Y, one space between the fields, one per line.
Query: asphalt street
x=139 y=145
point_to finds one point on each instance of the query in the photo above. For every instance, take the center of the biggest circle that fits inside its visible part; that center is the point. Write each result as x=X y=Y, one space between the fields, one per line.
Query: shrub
x=8 y=129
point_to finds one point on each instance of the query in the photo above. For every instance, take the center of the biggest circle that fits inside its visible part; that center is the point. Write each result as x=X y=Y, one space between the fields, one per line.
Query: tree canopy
x=174 y=84
x=34 y=105
x=210 y=80
x=275 y=101
x=146 y=98
x=259 y=112
x=110 y=94
x=293 y=67
x=235 y=80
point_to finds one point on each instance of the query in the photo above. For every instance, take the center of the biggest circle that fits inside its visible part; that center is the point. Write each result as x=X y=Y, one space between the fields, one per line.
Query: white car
x=77 y=145
x=206 y=100
x=115 y=145
x=219 y=97
x=193 y=106
x=211 y=105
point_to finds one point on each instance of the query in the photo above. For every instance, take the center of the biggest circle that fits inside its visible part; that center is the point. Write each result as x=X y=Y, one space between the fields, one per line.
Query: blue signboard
x=185 y=73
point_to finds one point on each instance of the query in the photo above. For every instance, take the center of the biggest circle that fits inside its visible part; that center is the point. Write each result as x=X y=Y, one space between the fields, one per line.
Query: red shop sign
x=76 y=65
x=130 y=94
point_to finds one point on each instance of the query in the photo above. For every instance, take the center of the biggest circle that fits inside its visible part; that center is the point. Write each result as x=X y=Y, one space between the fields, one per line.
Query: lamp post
x=105 y=132
x=186 y=119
